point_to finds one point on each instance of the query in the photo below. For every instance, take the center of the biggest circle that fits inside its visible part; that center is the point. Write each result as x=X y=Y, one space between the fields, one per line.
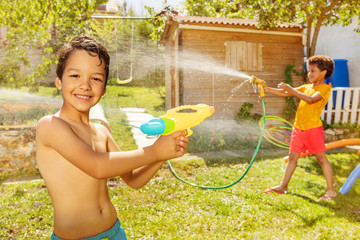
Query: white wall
x=340 y=42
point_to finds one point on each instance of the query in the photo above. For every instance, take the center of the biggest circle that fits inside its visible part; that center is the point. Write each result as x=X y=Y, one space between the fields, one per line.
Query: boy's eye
x=97 y=79
x=74 y=75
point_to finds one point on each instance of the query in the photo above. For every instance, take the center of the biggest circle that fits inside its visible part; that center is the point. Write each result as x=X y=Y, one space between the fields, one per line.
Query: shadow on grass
x=343 y=206
x=342 y=166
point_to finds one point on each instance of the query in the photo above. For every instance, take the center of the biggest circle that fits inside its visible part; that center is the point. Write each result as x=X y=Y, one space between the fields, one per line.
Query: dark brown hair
x=90 y=45
x=323 y=63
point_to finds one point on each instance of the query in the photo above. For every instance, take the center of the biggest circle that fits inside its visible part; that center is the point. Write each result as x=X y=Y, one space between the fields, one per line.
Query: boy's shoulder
x=51 y=125
x=49 y=120
x=55 y=123
x=320 y=86
x=323 y=87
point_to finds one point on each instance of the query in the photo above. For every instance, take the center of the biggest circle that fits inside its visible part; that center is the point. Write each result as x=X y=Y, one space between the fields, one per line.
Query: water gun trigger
x=189 y=132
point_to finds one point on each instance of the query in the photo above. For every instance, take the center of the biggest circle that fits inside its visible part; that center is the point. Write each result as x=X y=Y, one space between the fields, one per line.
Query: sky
x=138 y=5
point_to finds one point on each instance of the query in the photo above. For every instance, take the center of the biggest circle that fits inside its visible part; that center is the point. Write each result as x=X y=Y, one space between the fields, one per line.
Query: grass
x=122 y=96
x=167 y=208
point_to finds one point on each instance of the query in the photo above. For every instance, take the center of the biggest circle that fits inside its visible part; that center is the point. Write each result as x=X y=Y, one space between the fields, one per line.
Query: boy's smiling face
x=83 y=81
x=315 y=75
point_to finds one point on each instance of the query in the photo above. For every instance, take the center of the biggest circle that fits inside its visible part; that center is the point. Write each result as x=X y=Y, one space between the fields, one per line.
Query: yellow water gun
x=176 y=119
x=260 y=84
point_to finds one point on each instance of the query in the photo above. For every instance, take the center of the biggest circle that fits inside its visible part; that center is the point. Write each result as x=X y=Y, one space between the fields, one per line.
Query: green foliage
x=158 y=20
x=131 y=49
x=290 y=107
x=25 y=117
x=121 y=131
x=269 y=13
x=244 y=136
x=155 y=78
x=352 y=127
x=40 y=28
x=244 y=112
x=125 y=96
x=213 y=8
x=43 y=25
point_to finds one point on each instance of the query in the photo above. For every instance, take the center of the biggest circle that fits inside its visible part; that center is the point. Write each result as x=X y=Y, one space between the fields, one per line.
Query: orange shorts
x=311 y=140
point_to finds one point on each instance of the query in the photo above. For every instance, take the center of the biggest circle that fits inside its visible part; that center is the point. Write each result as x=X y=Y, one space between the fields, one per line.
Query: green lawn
x=167 y=208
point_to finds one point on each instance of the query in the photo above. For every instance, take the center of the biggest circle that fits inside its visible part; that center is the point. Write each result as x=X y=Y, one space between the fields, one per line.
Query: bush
x=24 y=117
x=243 y=135
x=244 y=112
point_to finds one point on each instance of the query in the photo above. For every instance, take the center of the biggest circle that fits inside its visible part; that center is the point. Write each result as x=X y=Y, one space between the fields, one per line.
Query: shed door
x=243 y=56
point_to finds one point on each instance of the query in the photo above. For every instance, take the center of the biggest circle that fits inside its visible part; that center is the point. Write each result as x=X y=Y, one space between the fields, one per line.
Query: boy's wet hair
x=323 y=63
x=90 y=45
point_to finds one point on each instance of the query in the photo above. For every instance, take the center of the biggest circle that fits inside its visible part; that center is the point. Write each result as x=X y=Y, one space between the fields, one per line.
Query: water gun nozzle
x=252 y=79
x=260 y=84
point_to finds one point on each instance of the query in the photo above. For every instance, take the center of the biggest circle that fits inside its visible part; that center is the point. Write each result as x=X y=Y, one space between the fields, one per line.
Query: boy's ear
x=324 y=72
x=104 y=91
x=58 y=83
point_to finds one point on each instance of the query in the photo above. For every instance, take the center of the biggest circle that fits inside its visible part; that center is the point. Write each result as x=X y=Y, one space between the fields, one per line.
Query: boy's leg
x=328 y=174
x=296 y=147
x=289 y=170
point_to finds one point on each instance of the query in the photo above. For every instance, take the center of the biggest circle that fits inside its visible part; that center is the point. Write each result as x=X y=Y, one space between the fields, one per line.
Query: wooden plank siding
x=263 y=55
x=276 y=53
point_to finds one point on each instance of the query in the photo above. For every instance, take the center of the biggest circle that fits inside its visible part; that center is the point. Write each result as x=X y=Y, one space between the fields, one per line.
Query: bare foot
x=275 y=190
x=328 y=196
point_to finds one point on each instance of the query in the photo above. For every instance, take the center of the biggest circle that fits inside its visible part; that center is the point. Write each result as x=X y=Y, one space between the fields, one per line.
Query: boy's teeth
x=83 y=97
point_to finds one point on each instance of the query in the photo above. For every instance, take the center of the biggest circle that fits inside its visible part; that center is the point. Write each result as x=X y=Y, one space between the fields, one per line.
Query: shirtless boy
x=75 y=157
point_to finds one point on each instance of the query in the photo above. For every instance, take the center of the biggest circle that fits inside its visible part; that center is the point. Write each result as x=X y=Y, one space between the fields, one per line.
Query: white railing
x=346 y=107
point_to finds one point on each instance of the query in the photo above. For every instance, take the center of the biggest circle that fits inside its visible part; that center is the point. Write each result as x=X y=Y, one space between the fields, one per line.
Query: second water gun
x=179 y=118
x=260 y=83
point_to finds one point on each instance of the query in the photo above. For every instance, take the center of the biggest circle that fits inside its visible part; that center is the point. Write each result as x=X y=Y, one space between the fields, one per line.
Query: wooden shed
x=209 y=60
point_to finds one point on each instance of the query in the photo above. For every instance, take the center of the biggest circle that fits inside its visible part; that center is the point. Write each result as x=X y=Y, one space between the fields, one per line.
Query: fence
x=343 y=105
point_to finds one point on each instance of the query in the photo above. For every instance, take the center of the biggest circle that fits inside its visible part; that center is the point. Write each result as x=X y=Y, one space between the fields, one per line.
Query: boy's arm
x=277 y=91
x=54 y=133
x=309 y=99
x=285 y=90
x=140 y=176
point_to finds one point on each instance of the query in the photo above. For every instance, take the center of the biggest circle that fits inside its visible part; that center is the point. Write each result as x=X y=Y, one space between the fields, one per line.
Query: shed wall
x=209 y=85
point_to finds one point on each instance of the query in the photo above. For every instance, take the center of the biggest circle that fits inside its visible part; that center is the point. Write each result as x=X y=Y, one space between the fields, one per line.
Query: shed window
x=243 y=56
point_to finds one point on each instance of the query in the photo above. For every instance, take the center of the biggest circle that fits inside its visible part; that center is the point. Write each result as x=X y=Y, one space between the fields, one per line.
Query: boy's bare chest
x=93 y=137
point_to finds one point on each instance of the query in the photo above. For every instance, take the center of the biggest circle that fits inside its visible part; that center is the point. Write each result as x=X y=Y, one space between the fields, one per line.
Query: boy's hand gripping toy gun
x=260 y=84
x=179 y=118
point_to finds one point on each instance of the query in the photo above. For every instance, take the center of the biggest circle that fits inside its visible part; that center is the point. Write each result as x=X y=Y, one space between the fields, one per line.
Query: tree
x=312 y=13
x=43 y=25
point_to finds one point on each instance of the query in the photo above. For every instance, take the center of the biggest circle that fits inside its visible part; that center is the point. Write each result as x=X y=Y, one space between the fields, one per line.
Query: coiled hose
x=246 y=171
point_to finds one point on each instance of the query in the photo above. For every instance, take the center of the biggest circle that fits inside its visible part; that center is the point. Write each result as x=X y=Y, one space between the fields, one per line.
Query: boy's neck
x=321 y=81
x=77 y=117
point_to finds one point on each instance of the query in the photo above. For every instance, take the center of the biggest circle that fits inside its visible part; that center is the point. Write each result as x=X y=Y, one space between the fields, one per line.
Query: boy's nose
x=85 y=84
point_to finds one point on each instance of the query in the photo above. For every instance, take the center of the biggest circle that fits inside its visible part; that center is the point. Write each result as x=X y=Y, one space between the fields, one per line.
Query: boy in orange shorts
x=308 y=131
